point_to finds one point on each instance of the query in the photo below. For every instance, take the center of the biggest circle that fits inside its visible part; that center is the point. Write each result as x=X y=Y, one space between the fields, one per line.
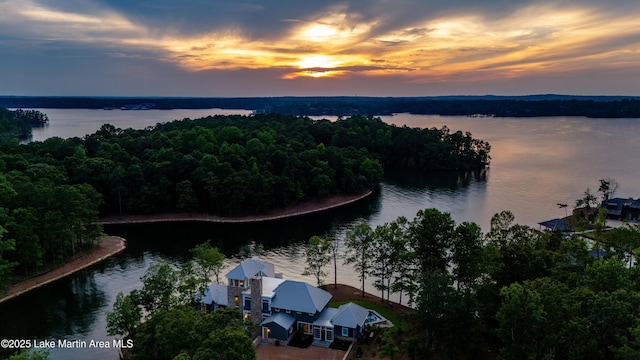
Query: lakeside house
x=281 y=307
x=555 y=225
x=622 y=209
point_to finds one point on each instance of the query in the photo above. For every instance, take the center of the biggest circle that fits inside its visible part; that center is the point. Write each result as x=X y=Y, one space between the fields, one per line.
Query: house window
x=345 y=332
x=247 y=304
x=241 y=283
x=265 y=306
x=236 y=299
x=306 y=327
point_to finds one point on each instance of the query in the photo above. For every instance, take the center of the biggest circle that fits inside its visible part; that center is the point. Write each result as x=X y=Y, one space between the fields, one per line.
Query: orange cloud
x=535 y=39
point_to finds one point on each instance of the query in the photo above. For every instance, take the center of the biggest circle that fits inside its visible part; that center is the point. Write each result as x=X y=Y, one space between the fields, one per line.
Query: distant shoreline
x=108 y=246
x=306 y=208
x=463 y=105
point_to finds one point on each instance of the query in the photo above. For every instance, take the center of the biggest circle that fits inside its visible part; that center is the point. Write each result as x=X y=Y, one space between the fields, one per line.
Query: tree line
x=44 y=220
x=517 y=291
x=512 y=106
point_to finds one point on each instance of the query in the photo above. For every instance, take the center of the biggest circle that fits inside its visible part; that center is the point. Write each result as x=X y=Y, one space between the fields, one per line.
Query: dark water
x=536 y=164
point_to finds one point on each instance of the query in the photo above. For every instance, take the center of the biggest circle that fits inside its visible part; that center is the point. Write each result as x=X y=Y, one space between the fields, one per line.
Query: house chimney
x=256 y=300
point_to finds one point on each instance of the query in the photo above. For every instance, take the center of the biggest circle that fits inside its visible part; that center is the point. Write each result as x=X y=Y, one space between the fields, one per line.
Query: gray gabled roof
x=300 y=296
x=350 y=315
x=250 y=268
x=325 y=317
x=556 y=225
x=214 y=294
x=284 y=320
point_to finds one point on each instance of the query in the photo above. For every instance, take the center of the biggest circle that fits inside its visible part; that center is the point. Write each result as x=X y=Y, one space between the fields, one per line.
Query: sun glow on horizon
x=531 y=40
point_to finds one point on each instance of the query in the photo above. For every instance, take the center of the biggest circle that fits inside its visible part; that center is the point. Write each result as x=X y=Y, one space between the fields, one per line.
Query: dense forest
x=52 y=191
x=512 y=106
x=513 y=293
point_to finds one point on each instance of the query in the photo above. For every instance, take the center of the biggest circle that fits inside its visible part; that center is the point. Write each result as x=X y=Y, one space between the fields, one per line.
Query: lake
x=536 y=164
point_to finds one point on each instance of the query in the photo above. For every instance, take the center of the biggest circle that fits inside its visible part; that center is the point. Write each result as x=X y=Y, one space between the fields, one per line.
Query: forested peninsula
x=17 y=124
x=52 y=192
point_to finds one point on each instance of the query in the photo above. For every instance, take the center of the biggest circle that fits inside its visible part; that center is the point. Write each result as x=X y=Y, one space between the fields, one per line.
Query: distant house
x=281 y=307
x=555 y=225
x=614 y=207
x=622 y=209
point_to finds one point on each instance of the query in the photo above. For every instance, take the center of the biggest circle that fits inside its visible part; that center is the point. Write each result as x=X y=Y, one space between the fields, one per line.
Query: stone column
x=256 y=299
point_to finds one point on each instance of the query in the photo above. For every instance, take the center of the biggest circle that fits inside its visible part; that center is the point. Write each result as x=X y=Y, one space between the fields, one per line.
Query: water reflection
x=173 y=240
x=68 y=308
x=435 y=180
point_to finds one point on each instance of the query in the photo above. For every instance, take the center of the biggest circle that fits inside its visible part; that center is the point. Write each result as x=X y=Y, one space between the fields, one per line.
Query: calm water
x=537 y=163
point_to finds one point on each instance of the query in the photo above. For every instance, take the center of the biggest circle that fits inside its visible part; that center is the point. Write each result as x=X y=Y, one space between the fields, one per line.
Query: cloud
x=410 y=41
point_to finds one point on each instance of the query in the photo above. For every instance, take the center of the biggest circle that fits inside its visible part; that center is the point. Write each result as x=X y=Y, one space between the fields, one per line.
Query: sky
x=228 y=48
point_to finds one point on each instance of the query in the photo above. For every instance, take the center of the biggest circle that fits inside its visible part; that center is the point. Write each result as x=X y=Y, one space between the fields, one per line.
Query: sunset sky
x=276 y=48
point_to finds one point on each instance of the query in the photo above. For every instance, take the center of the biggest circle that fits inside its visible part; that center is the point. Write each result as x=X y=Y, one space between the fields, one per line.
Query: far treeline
x=52 y=191
x=504 y=106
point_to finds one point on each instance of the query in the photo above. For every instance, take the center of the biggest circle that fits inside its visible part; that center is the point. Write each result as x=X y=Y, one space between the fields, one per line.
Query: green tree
x=27 y=354
x=6 y=266
x=187 y=200
x=389 y=244
x=607 y=275
x=228 y=343
x=608 y=188
x=160 y=282
x=317 y=256
x=334 y=249
x=402 y=269
x=209 y=260
x=599 y=225
x=359 y=249
x=520 y=318
x=467 y=255
x=433 y=301
x=389 y=347
x=431 y=233
x=625 y=240
x=125 y=318
x=585 y=203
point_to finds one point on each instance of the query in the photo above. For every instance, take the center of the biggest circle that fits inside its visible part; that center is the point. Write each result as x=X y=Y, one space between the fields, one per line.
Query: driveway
x=272 y=352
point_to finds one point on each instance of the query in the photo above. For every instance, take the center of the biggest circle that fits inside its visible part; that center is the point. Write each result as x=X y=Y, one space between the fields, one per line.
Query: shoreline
x=290 y=212
x=112 y=245
x=108 y=246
